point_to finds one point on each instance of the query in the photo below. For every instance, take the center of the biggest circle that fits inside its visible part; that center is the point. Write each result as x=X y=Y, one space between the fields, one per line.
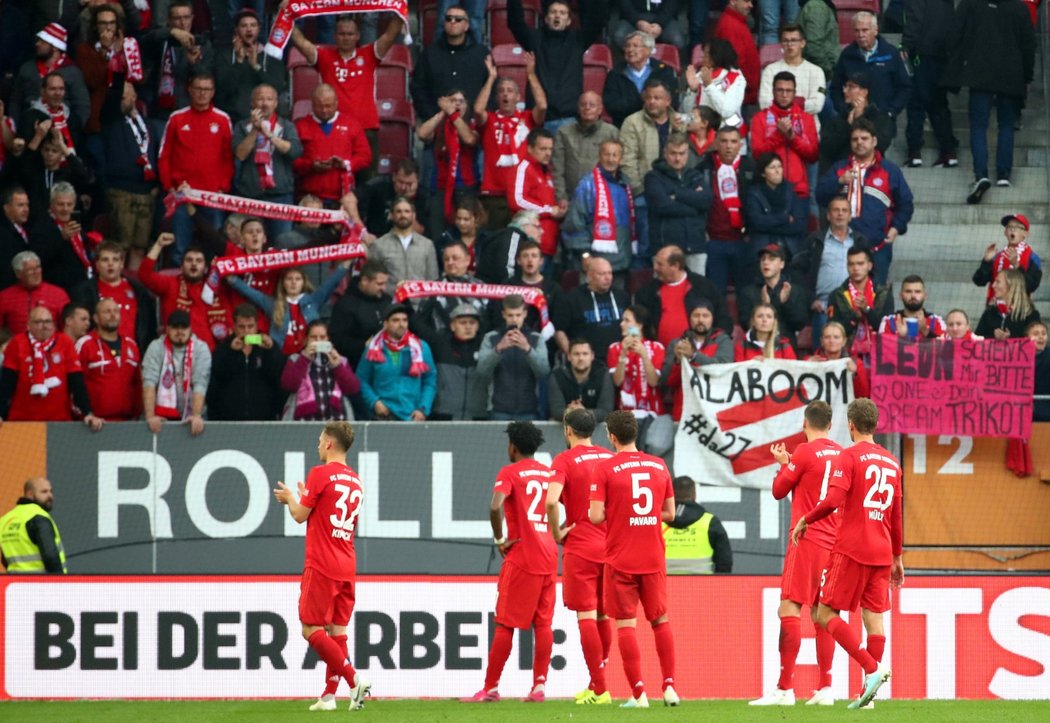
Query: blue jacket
x=577 y=230
x=767 y=212
x=391 y=383
x=890 y=82
x=310 y=304
x=887 y=198
x=678 y=207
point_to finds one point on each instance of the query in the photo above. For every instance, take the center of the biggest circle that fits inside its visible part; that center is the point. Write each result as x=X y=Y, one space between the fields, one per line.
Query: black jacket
x=834 y=135
x=496 y=255
x=11 y=244
x=928 y=28
x=245 y=388
x=991 y=320
x=355 y=318
x=442 y=68
x=792 y=315
x=461 y=394
x=805 y=266
x=146 y=317
x=687 y=513
x=678 y=207
x=596 y=393
x=621 y=97
x=60 y=262
x=29 y=167
x=1033 y=275
x=775 y=215
x=664 y=13
x=994 y=48
x=123 y=171
x=700 y=288
x=42 y=534
x=592 y=316
x=374 y=199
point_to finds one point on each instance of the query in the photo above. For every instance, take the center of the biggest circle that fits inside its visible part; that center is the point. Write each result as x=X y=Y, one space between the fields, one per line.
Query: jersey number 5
x=347 y=518
x=640 y=493
x=880 y=494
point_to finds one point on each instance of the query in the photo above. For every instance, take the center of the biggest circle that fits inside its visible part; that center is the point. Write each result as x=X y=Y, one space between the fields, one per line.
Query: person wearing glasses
x=172 y=54
x=809 y=78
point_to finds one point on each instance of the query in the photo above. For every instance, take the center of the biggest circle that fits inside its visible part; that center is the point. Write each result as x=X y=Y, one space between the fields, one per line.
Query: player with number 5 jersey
x=866 y=559
x=329 y=502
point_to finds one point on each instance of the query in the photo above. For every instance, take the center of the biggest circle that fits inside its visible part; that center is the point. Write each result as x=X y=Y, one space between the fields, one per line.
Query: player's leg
x=654 y=603
x=331 y=675
x=343 y=609
x=605 y=623
x=843 y=586
x=825 y=658
x=318 y=595
x=874 y=601
x=621 y=602
x=543 y=641
x=581 y=590
x=790 y=613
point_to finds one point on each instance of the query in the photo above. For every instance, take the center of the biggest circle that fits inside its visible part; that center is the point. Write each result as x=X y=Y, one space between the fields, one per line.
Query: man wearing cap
x=51 y=49
x=1017 y=254
x=176 y=370
x=702 y=344
x=790 y=301
x=834 y=135
x=462 y=394
x=29 y=538
x=513 y=362
x=397 y=373
x=245 y=65
x=913 y=321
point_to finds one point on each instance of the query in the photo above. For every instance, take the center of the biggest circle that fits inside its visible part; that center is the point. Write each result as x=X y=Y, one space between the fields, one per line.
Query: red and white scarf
x=722 y=79
x=511 y=132
x=450 y=167
x=264 y=150
x=862 y=338
x=415 y=347
x=61 y=61
x=59 y=120
x=166 y=85
x=140 y=131
x=729 y=190
x=856 y=186
x=218 y=323
x=635 y=392
x=1004 y=310
x=1002 y=263
x=605 y=216
x=40 y=382
x=533 y=296
x=77 y=242
x=281 y=32
x=167 y=393
x=703 y=147
x=128 y=61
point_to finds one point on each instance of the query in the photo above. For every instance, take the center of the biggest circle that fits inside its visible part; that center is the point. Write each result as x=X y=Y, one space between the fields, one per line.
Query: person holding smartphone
x=245 y=372
x=319 y=379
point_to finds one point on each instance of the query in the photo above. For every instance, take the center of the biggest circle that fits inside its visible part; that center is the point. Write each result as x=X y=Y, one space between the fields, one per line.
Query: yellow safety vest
x=689 y=550
x=21 y=553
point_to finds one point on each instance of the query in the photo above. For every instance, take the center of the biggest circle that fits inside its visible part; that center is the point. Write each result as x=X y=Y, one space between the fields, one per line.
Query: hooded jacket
x=687 y=513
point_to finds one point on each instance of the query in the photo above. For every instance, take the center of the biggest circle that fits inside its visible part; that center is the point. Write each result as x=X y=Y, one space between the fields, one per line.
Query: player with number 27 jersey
x=334 y=493
x=524 y=483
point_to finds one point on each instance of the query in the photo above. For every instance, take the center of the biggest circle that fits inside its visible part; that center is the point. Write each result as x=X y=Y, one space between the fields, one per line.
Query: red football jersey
x=354 y=80
x=503 y=144
x=335 y=493
x=525 y=484
x=59 y=361
x=806 y=477
x=575 y=467
x=634 y=486
x=123 y=293
x=871 y=527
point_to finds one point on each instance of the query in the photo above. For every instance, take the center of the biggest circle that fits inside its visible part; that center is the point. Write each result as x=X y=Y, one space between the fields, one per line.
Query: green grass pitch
x=418 y=711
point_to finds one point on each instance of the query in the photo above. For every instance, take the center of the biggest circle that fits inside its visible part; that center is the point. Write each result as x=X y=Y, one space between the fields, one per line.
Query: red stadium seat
x=304 y=80
x=392 y=74
x=770 y=53
x=845 y=20
x=637 y=280
x=697 y=58
x=302 y=108
x=499 y=32
x=668 y=54
x=855 y=5
x=395 y=132
x=428 y=20
x=510 y=63
x=597 y=62
x=570 y=279
x=731 y=306
x=295 y=58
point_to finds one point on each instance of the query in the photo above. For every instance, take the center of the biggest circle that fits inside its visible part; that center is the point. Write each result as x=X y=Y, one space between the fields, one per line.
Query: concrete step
x=935 y=242
x=997 y=203
x=951 y=186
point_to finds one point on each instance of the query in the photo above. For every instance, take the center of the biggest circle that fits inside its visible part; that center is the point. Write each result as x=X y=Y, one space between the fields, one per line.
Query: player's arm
x=596 y=513
x=897 y=541
x=790 y=470
x=558 y=532
x=667 y=513
x=496 y=520
x=285 y=496
x=308 y=49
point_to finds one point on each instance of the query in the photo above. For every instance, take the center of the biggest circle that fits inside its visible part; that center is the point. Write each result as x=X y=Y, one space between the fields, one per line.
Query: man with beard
x=173 y=55
x=112 y=366
x=52 y=106
x=407 y=255
x=359 y=312
x=398 y=379
x=577 y=142
x=913 y=321
x=244 y=66
x=702 y=344
x=29 y=538
x=176 y=370
x=461 y=394
x=581 y=384
x=50 y=57
x=377 y=196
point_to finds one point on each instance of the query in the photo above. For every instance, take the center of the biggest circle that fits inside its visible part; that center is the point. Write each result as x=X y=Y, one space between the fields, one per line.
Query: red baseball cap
x=1020 y=218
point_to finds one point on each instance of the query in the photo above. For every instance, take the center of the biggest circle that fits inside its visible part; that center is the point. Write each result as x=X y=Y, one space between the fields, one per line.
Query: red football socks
x=632 y=659
x=849 y=641
x=790 y=642
x=334 y=657
x=876 y=647
x=665 y=651
x=502 y=640
x=605 y=632
x=591 y=642
x=541 y=654
x=825 y=656
x=331 y=680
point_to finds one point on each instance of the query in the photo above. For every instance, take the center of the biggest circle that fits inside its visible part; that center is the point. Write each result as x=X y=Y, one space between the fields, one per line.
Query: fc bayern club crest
x=168 y=380
x=214 y=127
x=56 y=358
x=278 y=36
x=877 y=181
x=605 y=229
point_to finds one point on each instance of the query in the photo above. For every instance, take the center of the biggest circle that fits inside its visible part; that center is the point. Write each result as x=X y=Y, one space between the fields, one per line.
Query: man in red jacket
x=334 y=149
x=111 y=366
x=197 y=149
x=785 y=128
x=533 y=188
x=30 y=291
x=732 y=26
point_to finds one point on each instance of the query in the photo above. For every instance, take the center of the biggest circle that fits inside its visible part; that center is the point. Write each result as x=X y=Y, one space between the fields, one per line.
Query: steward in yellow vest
x=697 y=543
x=29 y=538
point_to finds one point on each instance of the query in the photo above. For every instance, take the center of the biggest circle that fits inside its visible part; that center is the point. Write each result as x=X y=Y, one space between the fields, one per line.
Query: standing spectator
x=406 y=254
x=591 y=311
x=76 y=320
x=879 y=196
x=732 y=26
x=61 y=242
x=687 y=555
x=50 y=56
x=702 y=344
x=197 y=149
x=266 y=145
x=513 y=362
x=789 y=301
x=818 y=22
x=926 y=45
x=833 y=347
x=175 y=373
x=351 y=70
x=1017 y=254
x=245 y=66
x=97 y=56
x=475 y=17
x=334 y=149
x=957 y=327
x=205 y=305
x=774 y=14
x=319 y=378
x=131 y=147
x=581 y=384
x=763 y=339
x=358 y=314
x=789 y=131
x=138 y=310
x=46 y=161
x=1036 y=331
x=678 y=199
x=729 y=255
x=532 y=189
x=468 y=229
x=504 y=135
x=455 y=60
x=498 y=256
x=559 y=50
x=29 y=537
x=717 y=84
x=29 y=292
x=376 y=198
x=51 y=105
x=674 y=290
x=658 y=21
x=774 y=213
x=1009 y=313
x=434 y=313
x=173 y=56
x=887 y=74
x=913 y=321
x=111 y=365
x=859 y=303
x=994 y=56
x=809 y=78
x=398 y=379
x=246 y=371
x=601 y=217
x=576 y=144
x=41 y=373
x=634 y=363
x=835 y=132
x=622 y=94
x=453 y=135
x=528 y=263
x=14 y=232
x=462 y=394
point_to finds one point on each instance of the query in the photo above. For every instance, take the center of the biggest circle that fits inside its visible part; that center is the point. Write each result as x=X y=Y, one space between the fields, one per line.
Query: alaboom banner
x=208 y=637
x=961 y=388
x=732 y=413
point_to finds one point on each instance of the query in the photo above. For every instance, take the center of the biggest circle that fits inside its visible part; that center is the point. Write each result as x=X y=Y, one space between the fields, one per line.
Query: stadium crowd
x=720 y=195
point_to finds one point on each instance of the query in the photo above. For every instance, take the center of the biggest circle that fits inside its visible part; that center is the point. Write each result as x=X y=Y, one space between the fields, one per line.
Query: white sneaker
x=325 y=702
x=359 y=692
x=671 y=698
x=641 y=701
x=776 y=697
x=869 y=706
x=824 y=696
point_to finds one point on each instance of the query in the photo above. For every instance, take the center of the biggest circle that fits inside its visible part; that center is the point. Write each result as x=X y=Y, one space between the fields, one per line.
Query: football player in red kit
x=583 y=561
x=633 y=491
x=526 y=588
x=329 y=503
x=805 y=475
x=866 y=559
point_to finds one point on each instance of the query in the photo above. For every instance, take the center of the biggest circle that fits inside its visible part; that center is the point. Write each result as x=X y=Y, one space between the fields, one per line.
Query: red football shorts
x=581 y=583
x=848 y=584
x=324 y=601
x=623 y=591
x=803 y=565
x=524 y=599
